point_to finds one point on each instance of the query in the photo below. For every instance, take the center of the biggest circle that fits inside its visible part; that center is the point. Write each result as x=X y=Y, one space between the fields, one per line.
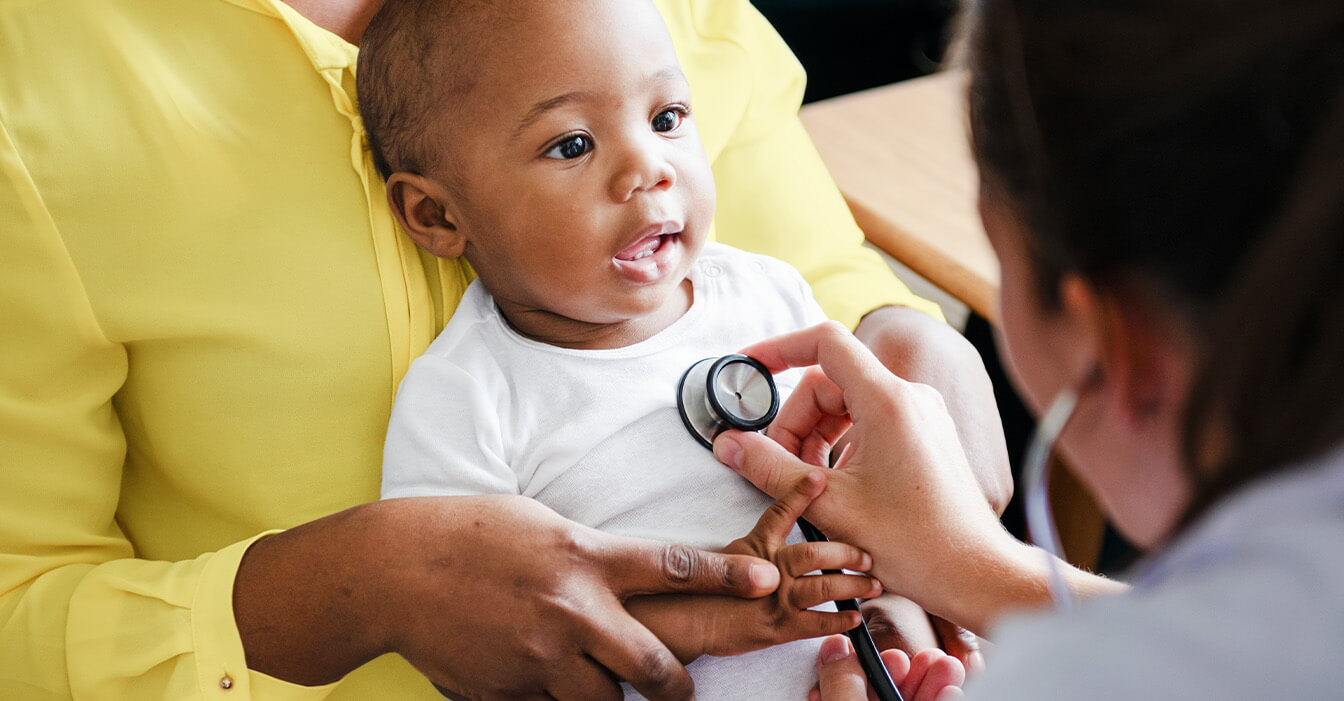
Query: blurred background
x=851 y=45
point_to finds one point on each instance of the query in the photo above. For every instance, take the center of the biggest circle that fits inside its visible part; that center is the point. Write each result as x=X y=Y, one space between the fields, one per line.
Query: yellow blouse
x=206 y=306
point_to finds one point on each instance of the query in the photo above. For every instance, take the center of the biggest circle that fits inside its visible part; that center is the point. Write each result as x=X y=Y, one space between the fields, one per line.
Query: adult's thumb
x=839 y=676
x=762 y=461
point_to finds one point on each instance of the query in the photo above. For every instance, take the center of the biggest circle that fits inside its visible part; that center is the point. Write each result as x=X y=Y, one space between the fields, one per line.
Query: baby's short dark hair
x=412 y=63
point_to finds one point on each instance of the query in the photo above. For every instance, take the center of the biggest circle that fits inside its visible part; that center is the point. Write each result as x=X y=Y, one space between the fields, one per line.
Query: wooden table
x=901 y=157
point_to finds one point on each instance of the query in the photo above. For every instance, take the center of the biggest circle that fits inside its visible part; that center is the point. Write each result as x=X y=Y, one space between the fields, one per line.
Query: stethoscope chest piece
x=737 y=391
x=732 y=391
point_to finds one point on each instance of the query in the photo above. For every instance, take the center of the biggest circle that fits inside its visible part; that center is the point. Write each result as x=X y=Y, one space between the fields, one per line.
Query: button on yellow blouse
x=206 y=306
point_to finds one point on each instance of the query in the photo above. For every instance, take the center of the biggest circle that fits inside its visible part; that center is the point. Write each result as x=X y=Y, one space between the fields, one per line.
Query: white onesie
x=596 y=436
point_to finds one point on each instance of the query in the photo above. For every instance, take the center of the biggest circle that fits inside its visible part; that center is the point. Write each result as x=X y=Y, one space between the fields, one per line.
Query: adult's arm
x=491 y=596
x=81 y=616
x=905 y=493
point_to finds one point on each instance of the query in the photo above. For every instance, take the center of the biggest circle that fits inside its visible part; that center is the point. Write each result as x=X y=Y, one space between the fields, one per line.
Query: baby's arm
x=692 y=626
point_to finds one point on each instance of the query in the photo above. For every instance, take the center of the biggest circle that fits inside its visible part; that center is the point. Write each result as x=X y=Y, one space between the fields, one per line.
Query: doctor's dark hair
x=1192 y=149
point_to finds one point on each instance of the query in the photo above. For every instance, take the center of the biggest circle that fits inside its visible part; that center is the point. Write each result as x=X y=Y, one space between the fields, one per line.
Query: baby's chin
x=657 y=304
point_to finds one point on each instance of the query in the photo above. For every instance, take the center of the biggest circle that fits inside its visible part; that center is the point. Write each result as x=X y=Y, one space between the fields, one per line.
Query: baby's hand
x=787 y=610
x=932 y=675
x=696 y=625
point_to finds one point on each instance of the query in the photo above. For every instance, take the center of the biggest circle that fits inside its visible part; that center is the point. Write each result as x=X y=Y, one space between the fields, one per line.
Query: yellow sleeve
x=775 y=194
x=79 y=616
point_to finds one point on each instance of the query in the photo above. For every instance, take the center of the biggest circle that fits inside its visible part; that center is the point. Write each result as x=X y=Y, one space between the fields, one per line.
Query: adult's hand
x=930 y=675
x=903 y=492
x=490 y=597
x=920 y=348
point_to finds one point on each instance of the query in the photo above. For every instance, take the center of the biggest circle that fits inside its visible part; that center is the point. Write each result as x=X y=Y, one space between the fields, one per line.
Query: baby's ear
x=422 y=207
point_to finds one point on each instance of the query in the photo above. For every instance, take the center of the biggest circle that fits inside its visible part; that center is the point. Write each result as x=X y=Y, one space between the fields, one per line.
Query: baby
x=552 y=143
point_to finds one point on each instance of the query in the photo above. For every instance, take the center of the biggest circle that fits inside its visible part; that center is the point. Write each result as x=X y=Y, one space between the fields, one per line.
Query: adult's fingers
x=634 y=654
x=635 y=566
x=760 y=460
x=897 y=664
x=839 y=676
x=928 y=677
x=950 y=693
x=812 y=419
x=845 y=359
x=584 y=680
x=930 y=672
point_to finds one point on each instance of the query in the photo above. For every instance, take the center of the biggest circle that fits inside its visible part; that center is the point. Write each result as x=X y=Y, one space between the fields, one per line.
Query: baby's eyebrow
x=668 y=73
x=665 y=75
x=545 y=106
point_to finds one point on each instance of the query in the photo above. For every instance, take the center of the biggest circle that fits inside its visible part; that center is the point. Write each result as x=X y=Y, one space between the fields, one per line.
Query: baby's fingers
x=777 y=522
x=815 y=624
x=798 y=560
x=931 y=673
x=817 y=589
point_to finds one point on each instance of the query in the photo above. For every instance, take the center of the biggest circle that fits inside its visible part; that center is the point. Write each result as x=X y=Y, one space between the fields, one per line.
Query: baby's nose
x=643 y=170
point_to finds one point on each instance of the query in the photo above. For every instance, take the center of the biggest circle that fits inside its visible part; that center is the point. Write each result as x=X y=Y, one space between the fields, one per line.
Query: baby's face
x=585 y=192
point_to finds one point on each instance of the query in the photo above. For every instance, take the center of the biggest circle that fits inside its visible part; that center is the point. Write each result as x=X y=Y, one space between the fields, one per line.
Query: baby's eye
x=570 y=147
x=668 y=120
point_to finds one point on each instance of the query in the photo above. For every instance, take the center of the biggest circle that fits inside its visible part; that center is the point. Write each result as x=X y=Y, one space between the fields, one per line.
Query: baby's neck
x=553 y=329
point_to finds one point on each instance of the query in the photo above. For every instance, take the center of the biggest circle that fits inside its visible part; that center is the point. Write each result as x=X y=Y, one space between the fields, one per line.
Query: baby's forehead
x=532 y=49
x=435 y=72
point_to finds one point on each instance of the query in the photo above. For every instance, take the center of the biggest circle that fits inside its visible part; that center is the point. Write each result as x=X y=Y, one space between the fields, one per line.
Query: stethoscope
x=737 y=392
x=1036 y=501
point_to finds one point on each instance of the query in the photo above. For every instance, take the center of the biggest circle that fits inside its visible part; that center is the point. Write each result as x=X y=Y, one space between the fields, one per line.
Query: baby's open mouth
x=652 y=257
x=644 y=247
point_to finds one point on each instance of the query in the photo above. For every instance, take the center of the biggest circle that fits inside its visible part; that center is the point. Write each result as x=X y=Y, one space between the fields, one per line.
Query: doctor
x=1163 y=184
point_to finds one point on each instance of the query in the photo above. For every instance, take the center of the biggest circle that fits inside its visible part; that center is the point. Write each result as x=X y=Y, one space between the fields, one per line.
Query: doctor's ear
x=423 y=208
x=1135 y=349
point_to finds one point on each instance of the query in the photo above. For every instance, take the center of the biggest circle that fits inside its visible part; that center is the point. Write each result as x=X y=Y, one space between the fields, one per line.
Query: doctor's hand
x=929 y=676
x=903 y=491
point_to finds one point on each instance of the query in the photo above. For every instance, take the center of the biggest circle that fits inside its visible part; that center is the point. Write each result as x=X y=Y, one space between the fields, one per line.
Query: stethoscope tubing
x=864 y=647
x=1036 y=497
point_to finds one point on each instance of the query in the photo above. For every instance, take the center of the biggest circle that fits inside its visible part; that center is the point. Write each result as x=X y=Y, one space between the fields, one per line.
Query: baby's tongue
x=640 y=248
